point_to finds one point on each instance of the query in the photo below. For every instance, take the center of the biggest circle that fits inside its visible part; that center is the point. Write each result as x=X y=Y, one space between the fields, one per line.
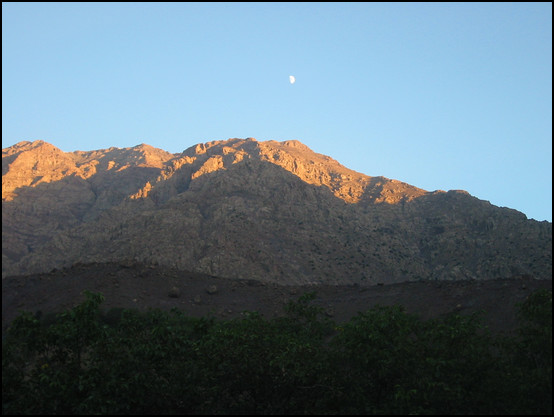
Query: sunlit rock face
x=272 y=211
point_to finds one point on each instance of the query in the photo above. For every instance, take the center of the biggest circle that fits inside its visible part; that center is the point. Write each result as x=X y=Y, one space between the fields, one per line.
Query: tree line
x=382 y=361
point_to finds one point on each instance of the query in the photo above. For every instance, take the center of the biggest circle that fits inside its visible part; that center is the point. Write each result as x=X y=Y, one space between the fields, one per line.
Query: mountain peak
x=295 y=144
x=26 y=146
x=31 y=163
x=298 y=159
x=267 y=210
x=51 y=164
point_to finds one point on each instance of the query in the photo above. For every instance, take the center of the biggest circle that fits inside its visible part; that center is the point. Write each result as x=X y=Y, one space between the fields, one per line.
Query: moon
x=292 y=79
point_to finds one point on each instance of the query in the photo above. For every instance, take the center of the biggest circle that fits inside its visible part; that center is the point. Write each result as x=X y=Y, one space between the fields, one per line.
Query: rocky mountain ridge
x=271 y=211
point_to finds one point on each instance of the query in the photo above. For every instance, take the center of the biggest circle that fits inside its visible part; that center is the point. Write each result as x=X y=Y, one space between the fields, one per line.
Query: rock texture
x=270 y=211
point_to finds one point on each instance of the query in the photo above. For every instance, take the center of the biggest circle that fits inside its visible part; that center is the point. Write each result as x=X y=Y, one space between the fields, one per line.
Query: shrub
x=383 y=361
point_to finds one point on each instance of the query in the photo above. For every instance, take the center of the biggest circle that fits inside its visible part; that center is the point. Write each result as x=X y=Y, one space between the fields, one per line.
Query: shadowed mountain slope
x=270 y=211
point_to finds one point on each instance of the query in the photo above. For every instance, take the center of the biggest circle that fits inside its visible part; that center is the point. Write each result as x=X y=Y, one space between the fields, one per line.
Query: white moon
x=292 y=79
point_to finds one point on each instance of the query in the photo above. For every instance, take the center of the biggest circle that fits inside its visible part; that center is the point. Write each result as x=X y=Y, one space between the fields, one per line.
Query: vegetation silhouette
x=383 y=361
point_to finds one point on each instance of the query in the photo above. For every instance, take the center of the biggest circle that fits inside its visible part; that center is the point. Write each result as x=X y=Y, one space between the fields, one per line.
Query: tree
x=383 y=361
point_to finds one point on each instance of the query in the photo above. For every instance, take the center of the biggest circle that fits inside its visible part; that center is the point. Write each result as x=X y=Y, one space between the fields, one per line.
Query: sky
x=437 y=95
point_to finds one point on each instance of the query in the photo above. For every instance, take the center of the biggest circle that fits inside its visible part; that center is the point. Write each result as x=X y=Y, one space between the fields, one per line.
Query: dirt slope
x=140 y=286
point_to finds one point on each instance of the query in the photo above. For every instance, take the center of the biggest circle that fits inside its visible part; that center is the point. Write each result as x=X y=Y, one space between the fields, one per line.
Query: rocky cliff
x=271 y=211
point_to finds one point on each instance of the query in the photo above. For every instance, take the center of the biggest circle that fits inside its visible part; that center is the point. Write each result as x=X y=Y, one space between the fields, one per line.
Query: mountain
x=269 y=211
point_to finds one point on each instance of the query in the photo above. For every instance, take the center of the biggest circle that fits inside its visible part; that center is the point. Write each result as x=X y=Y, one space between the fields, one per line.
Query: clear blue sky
x=438 y=95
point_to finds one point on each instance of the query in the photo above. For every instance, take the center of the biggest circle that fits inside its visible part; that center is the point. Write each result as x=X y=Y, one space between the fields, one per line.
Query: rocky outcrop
x=270 y=211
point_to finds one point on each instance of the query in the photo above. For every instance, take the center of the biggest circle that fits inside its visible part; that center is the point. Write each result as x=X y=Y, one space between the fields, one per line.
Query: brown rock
x=174 y=292
x=212 y=289
x=264 y=211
